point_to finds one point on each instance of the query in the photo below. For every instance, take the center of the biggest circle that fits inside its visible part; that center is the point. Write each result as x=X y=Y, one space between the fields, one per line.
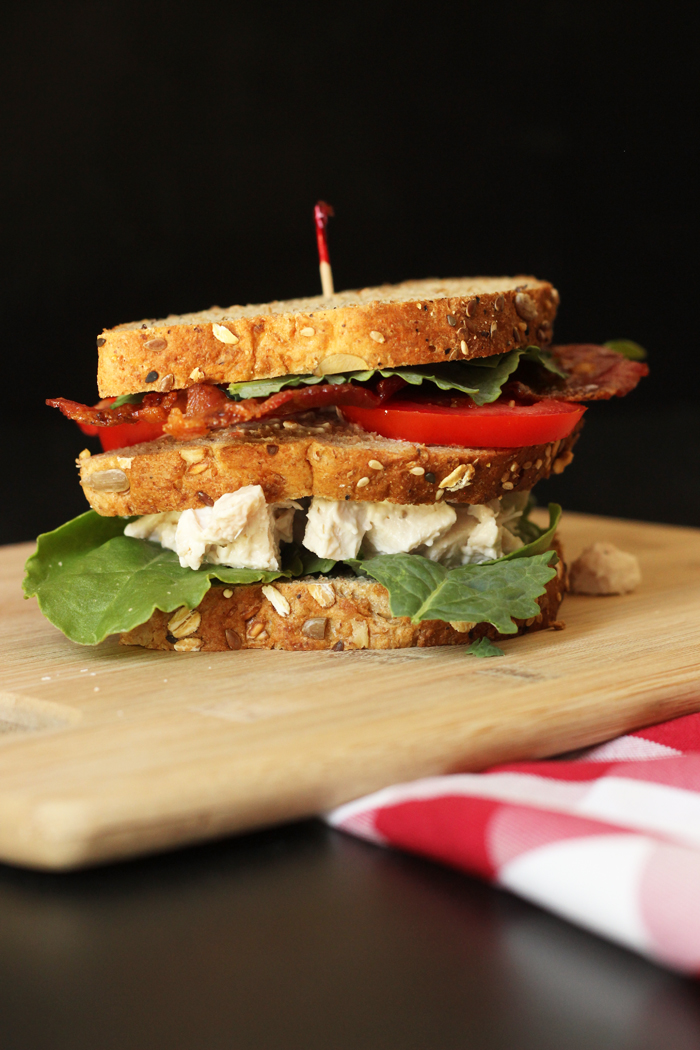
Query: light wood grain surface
x=111 y=751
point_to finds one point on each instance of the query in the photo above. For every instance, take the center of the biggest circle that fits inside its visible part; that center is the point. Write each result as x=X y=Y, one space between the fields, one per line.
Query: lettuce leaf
x=482 y=378
x=628 y=348
x=482 y=648
x=312 y=563
x=268 y=387
x=536 y=540
x=91 y=580
x=526 y=529
x=494 y=592
x=536 y=355
x=128 y=399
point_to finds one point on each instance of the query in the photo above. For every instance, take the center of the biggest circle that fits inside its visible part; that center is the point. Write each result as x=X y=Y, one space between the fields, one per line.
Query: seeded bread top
x=417 y=322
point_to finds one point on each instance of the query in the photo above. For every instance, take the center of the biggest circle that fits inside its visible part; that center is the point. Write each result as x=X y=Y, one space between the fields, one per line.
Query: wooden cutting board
x=114 y=751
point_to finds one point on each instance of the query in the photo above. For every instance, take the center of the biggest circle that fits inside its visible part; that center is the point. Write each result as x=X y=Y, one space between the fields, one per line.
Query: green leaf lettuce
x=628 y=348
x=481 y=378
x=91 y=580
x=495 y=592
x=484 y=647
x=127 y=399
x=536 y=540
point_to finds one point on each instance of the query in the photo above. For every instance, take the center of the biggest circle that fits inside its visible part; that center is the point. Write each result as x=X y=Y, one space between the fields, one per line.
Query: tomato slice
x=456 y=420
x=124 y=434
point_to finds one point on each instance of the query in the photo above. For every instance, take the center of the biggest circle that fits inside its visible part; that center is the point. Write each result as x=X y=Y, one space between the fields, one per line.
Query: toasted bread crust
x=354 y=614
x=314 y=455
x=417 y=322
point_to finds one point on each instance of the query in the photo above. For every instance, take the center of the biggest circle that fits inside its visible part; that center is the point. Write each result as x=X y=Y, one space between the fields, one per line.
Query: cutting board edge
x=72 y=843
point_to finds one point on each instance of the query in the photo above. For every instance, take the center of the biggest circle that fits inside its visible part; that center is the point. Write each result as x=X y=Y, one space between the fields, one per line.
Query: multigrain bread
x=338 y=613
x=313 y=455
x=417 y=322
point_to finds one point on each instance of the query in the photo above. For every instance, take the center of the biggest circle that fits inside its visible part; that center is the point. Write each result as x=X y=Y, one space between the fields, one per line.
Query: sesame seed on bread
x=334 y=613
x=414 y=323
x=314 y=454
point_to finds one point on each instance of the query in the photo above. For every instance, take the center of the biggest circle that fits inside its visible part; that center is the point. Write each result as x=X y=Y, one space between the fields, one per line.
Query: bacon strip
x=593 y=373
x=202 y=408
x=154 y=408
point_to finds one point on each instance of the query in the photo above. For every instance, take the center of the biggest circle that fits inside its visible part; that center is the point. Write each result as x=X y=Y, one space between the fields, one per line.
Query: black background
x=160 y=157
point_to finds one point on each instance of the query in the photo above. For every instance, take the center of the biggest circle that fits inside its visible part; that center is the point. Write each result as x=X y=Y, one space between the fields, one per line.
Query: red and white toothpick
x=322 y=213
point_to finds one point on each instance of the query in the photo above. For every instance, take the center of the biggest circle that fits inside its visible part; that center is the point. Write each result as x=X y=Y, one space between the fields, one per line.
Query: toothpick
x=322 y=212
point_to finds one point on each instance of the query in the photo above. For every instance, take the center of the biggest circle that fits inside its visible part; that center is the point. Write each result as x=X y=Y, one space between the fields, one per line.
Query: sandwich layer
x=417 y=322
x=339 y=613
x=312 y=455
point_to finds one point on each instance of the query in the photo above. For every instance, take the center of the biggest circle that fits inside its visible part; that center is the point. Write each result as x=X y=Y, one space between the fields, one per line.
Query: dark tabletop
x=301 y=938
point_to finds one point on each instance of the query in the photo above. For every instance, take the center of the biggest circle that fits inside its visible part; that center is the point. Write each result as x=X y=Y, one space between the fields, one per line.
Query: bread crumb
x=604 y=569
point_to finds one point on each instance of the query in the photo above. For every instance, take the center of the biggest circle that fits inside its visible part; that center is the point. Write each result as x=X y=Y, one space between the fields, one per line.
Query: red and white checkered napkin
x=610 y=840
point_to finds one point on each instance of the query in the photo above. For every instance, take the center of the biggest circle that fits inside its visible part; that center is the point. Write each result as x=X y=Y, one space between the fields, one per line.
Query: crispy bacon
x=214 y=410
x=202 y=408
x=154 y=408
x=593 y=373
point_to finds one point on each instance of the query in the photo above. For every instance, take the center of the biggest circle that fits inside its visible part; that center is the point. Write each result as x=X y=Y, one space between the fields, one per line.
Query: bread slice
x=314 y=454
x=417 y=322
x=325 y=613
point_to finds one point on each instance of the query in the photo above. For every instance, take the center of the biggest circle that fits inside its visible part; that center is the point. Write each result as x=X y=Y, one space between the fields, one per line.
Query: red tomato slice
x=124 y=434
x=456 y=420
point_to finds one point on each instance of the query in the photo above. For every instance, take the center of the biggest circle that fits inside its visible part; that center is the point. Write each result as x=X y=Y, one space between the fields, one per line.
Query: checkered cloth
x=609 y=839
